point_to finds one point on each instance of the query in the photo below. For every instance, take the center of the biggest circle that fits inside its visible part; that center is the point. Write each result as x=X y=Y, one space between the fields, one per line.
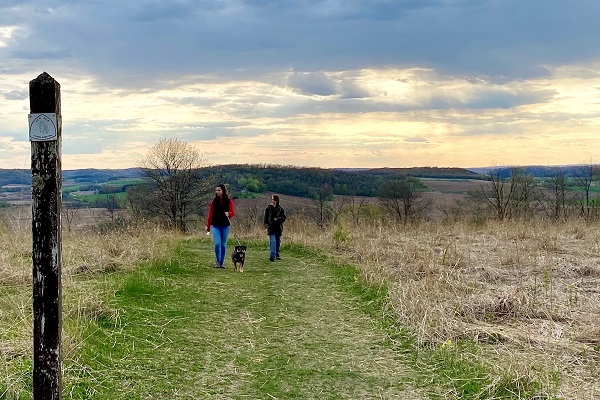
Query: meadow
x=525 y=294
x=464 y=310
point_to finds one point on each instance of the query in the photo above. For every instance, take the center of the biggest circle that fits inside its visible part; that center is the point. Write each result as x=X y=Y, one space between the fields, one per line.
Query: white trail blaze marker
x=43 y=127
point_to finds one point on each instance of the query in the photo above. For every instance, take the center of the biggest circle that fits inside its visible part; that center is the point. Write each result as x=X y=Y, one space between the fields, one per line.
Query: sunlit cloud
x=321 y=83
x=6 y=34
x=409 y=117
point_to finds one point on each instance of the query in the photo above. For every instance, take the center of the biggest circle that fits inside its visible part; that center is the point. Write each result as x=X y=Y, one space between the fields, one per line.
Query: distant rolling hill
x=287 y=180
x=23 y=176
x=538 y=171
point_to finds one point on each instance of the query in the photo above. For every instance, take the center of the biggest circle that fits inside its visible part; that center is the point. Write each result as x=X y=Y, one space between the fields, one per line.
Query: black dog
x=238 y=257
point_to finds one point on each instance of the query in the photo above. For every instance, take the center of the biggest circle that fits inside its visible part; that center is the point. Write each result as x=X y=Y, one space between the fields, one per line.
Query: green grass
x=91 y=198
x=305 y=327
x=279 y=330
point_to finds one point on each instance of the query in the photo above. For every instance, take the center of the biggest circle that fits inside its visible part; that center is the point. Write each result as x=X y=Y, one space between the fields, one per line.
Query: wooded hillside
x=303 y=181
x=260 y=178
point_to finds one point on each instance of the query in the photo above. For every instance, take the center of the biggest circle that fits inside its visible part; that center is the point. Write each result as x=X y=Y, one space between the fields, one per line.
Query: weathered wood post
x=46 y=184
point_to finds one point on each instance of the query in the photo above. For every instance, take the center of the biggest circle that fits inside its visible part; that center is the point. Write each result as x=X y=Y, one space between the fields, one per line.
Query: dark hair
x=225 y=196
x=276 y=198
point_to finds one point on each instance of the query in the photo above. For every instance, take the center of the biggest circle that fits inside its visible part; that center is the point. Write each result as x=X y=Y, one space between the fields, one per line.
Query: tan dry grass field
x=528 y=293
x=457 y=186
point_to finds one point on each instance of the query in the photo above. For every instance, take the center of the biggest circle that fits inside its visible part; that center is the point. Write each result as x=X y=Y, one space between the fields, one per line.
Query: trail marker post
x=45 y=129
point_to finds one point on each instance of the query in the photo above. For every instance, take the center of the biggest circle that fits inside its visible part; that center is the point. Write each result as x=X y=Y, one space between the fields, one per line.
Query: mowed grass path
x=299 y=328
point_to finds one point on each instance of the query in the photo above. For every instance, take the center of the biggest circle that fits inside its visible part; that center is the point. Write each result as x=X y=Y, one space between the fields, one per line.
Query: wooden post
x=46 y=184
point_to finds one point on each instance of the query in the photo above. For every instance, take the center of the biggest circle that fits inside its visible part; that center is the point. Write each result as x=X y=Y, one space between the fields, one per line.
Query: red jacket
x=222 y=221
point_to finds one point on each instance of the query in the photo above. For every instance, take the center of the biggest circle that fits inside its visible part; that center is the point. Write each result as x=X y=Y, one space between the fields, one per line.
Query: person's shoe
x=272 y=259
x=217 y=265
x=277 y=258
x=221 y=266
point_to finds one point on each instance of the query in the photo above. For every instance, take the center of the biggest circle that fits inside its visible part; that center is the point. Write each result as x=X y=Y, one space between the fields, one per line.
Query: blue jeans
x=274 y=244
x=220 y=235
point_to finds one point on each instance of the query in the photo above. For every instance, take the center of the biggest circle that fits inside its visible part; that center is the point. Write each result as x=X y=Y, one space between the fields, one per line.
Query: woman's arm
x=231 y=209
x=210 y=214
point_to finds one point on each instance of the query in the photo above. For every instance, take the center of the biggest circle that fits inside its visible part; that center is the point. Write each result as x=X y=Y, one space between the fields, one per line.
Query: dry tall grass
x=527 y=292
x=85 y=254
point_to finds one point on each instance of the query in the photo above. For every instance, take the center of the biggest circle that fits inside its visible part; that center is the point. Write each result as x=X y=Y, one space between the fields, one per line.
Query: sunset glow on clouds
x=317 y=83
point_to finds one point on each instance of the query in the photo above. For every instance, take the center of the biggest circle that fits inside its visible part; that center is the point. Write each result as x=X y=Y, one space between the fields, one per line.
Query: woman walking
x=273 y=221
x=220 y=211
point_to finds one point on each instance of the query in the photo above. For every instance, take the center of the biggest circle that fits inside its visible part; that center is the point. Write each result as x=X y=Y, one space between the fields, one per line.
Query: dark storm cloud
x=130 y=43
x=312 y=83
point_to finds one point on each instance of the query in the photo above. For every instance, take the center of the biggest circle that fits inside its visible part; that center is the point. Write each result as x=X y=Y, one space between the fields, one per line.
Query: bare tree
x=585 y=176
x=320 y=211
x=404 y=198
x=69 y=215
x=337 y=206
x=355 y=206
x=498 y=193
x=554 y=196
x=140 y=202
x=525 y=189
x=509 y=193
x=171 y=168
x=251 y=215
x=111 y=203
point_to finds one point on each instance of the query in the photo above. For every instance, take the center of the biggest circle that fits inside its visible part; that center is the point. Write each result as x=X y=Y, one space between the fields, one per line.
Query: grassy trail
x=294 y=329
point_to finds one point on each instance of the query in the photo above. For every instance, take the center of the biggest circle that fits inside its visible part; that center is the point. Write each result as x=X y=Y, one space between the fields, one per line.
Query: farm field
x=453 y=186
x=21 y=194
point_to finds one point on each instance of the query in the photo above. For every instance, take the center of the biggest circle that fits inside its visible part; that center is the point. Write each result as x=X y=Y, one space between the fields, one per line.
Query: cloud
x=16 y=94
x=132 y=43
x=316 y=83
x=416 y=139
x=6 y=35
x=40 y=54
x=291 y=78
x=153 y=11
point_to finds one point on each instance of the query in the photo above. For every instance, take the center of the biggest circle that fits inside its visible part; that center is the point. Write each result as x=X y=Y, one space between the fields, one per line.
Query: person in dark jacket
x=220 y=211
x=273 y=222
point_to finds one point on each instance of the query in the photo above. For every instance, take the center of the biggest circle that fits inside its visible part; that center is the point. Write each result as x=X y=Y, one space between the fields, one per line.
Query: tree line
x=303 y=181
x=561 y=194
x=179 y=183
x=504 y=194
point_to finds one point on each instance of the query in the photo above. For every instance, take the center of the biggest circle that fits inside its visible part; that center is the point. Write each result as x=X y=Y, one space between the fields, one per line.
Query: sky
x=319 y=83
